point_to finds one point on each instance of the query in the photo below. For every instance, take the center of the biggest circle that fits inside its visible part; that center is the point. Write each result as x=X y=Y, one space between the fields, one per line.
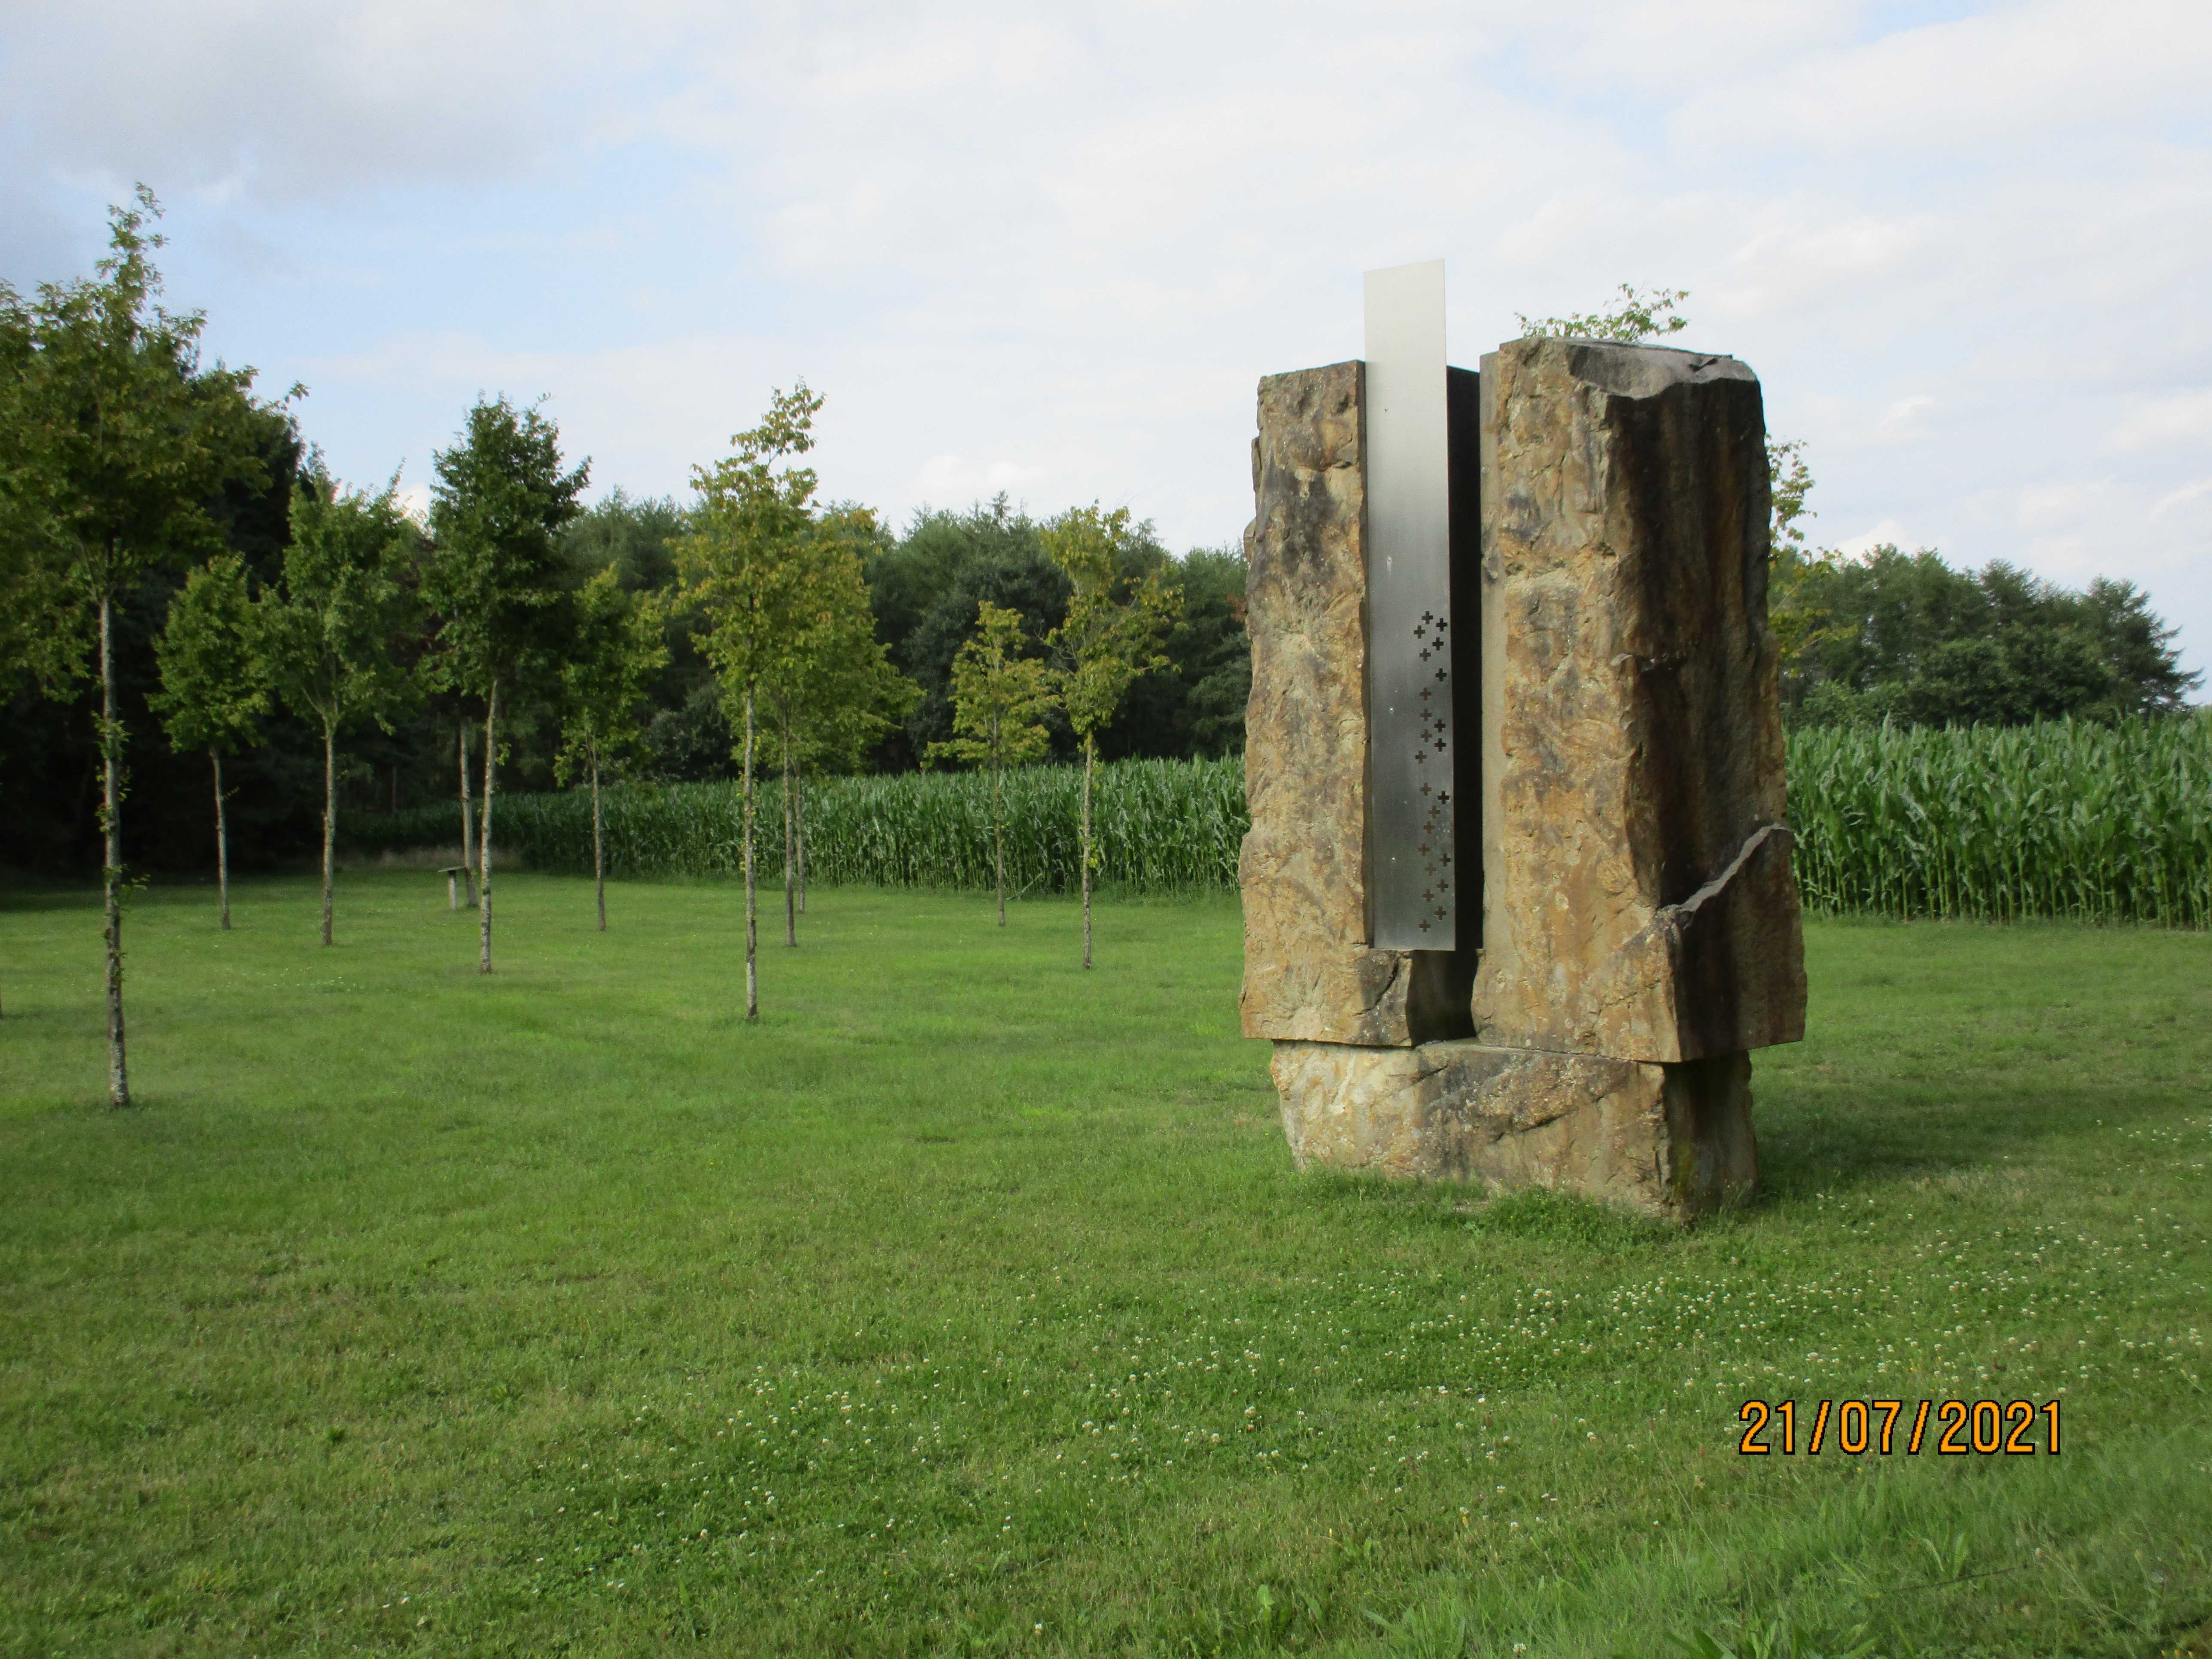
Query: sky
x=1050 y=250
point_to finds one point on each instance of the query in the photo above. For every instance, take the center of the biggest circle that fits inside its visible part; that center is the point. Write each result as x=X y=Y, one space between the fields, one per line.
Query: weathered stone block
x=1638 y=901
x=1309 y=972
x=1667 y=1141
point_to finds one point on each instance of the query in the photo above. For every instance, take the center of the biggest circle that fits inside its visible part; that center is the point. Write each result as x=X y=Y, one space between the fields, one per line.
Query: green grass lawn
x=968 y=1304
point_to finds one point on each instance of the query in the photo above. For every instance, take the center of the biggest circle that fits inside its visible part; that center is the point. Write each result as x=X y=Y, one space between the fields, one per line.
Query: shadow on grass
x=33 y=894
x=1531 y=1214
x=1835 y=1140
x=1817 y=1139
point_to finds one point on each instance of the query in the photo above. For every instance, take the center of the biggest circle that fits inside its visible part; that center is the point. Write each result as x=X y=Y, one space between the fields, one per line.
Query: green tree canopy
x=999 y=697
x=328 y=630
x=495 y=577
x=617 y=649
x=214 y=691
x=834 y=690
x=1115 y=624
x=635 y=534
x=743 y=565
x=42 y=633
x=999 y=700
x=214 y=682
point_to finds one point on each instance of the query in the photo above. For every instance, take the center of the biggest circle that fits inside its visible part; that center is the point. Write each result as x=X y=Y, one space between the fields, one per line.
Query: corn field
x=1162 y=825
x=2094 y=822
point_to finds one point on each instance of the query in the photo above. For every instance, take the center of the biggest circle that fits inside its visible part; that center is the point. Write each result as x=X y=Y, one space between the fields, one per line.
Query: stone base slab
x=1664 y=1139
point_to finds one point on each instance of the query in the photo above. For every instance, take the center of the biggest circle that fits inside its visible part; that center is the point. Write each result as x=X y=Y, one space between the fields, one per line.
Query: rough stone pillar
x=1638 y=930
x=1641 y=900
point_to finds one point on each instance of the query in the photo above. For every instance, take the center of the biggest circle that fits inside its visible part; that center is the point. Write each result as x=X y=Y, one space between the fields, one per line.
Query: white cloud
x=1977 y=82
x=1888 y=532
x=2201 y=489
x=2186 y=418
x=957 y=479
x=1906 y=418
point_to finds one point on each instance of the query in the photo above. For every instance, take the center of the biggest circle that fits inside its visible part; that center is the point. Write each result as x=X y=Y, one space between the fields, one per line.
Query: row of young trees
x=114 y=438
x=372 y=613
x=117 y=437
x=1111 y=635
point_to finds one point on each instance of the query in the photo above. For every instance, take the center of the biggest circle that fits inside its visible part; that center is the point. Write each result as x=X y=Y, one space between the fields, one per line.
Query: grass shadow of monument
x=1535 y=1214
x=1839 y=1139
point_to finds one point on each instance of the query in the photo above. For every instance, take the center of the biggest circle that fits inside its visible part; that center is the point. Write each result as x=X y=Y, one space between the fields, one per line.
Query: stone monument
x=1517 y=892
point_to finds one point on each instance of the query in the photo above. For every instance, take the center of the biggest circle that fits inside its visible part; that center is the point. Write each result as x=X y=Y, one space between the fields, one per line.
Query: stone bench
x=455 y=874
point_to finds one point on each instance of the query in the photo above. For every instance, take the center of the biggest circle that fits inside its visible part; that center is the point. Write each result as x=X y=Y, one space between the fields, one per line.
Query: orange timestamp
x=1854 y=1427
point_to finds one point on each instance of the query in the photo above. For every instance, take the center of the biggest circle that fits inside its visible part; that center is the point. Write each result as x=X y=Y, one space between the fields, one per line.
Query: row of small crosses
x=1437 y=740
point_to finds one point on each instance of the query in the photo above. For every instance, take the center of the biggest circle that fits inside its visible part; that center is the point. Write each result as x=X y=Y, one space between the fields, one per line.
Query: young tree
x=832 y=693
x=999 y=699
x=123 y=438
x=327 y=635
x=618 y=647
x=1112 y=635
x=743 y=567
x=213 y=683
x=494 y=574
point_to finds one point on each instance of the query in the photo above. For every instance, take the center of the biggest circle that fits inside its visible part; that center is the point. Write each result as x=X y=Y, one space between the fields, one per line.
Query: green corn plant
x=2098 y=823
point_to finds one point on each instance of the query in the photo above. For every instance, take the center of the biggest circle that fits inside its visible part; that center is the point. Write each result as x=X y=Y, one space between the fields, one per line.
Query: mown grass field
x=969 y=1303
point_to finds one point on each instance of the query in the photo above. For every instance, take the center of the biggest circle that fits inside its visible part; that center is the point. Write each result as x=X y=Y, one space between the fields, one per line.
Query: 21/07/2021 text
x=1989 y=1427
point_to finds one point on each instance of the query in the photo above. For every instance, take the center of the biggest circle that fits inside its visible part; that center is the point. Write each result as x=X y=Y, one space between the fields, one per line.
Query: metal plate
x=1410 y=689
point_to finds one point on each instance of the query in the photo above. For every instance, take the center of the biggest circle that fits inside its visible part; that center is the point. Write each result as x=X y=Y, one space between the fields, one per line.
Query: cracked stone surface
x=1638 y=901
x=1667 y=1141
x=1309 y=972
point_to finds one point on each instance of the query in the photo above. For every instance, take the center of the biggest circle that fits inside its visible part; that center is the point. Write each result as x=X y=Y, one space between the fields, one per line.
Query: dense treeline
x=1905 y=638
x=2097 y=822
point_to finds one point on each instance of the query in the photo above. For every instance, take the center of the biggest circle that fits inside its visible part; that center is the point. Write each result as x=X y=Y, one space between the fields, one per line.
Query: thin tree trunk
x=598 y=844
x=753 y=913
x=221 y=842
x=801 y=775
x=111 y=824
x=484 y=847
x=329 y=816
x=1090 y=751
x=790 y=849
x=998 y=830
x=468 y=817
